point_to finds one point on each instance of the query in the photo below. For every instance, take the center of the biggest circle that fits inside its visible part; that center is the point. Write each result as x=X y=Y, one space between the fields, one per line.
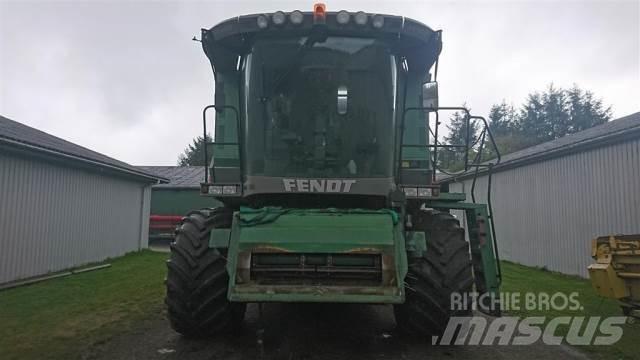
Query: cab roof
x=408 y=38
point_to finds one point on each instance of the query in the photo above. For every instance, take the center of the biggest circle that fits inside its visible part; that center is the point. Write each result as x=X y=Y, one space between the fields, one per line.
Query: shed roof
x=186 y=177
x=627 y=127
x=30 y=140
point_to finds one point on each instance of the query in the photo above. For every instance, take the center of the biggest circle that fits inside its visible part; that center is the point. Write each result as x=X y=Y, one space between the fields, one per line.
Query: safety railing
x=476 y=163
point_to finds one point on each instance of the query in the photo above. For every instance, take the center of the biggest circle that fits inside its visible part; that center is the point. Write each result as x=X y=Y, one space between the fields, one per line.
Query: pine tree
x=502 y=119
x=546 y=116
x=453 y=158
x=584 y=110
x=193 y=155
x=503 y=122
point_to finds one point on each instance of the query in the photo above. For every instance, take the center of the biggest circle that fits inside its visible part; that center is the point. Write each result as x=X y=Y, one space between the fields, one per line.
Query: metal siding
x=546 y=213
x=54 y=217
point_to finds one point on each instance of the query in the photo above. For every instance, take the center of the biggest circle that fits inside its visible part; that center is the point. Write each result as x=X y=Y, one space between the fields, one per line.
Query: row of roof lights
x=360 y=18
x=343 y=17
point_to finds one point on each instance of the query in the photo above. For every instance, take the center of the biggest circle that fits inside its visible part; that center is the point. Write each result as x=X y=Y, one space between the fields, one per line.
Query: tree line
x=544 y=116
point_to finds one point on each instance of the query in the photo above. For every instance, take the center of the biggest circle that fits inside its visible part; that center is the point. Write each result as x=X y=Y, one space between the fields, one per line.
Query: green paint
x=323 y=294
x=178 y=201
x=252 y=217
x=313 y=231
x=219 y=238
x=335 y=231
x=445 y=196
x=320 y=232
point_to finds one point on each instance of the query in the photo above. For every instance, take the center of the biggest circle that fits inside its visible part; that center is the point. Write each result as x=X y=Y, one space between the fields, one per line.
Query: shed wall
x=546 y=213
x=54 y=217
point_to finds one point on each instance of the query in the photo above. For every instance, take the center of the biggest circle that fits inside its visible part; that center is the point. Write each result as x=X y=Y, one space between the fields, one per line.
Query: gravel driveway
x=309 y=331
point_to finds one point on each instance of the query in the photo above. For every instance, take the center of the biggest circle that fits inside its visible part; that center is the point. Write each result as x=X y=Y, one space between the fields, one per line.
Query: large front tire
x=444 y=269
x=197 y=278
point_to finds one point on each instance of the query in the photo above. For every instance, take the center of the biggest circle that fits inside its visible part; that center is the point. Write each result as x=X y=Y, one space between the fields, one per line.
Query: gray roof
x=627 y=127
x=26 y=138
x=179 y=176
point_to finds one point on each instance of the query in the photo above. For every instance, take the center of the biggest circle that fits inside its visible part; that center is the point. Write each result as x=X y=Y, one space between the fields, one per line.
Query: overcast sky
x=123 y=77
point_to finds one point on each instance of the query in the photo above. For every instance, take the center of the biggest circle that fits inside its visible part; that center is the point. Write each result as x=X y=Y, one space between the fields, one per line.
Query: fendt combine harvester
x=325 y=163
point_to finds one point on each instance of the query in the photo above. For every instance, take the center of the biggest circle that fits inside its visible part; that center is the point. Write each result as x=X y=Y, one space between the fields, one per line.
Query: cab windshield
x=319 y=108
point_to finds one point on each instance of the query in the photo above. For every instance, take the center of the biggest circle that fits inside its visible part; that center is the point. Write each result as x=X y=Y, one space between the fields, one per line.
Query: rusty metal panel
x=54 y=217
x=547 y=212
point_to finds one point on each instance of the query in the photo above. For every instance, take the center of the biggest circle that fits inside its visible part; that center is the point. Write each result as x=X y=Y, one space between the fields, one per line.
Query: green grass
x=61 y=318
x=523 y=279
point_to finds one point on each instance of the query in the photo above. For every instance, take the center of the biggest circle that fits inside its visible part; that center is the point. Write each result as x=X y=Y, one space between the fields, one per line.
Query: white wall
x=546 y=213
x=54 y=217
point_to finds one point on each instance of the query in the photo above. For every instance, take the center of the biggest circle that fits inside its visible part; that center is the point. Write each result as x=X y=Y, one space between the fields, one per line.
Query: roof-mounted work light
x=279 y=18
x=296 y=17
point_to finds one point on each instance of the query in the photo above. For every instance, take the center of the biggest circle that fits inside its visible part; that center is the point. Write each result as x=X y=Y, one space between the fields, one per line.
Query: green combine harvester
x=325 y=163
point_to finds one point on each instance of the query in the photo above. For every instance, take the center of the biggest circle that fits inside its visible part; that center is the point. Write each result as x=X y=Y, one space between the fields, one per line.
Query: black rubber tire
x=197 y=278
x=445 y=268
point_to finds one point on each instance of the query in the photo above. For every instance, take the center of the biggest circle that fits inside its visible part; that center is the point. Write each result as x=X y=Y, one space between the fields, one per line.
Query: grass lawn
x=523 y=279
x=60 y=318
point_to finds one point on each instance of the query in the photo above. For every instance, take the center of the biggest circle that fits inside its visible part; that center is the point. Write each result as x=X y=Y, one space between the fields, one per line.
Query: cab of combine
x=319 y=98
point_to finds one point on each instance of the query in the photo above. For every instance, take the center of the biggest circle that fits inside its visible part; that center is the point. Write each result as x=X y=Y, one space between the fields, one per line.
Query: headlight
x=229 y=189
x=296 y=17
x=342 y=17
x=360 y=18
x=278 y=18
x=378 y=21
x=410 y=192
x=262 y=21
x=215 y=190
x=425 y=192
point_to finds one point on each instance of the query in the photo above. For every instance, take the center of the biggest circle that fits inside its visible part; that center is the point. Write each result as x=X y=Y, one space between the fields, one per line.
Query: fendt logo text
x=318 y=185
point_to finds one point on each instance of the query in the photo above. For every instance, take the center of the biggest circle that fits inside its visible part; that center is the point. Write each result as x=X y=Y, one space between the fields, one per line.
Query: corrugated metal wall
x=54 y=217
x=546 y=213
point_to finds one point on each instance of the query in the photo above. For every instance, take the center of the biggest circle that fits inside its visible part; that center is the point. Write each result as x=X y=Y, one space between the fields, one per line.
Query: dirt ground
x=309 y=331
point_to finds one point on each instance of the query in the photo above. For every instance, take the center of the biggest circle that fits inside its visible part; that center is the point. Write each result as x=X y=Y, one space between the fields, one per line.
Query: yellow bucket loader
x=616 y=273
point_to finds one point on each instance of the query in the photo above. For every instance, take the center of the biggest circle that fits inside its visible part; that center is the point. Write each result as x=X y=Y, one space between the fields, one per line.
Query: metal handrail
x=476 y=163
x=435 y=145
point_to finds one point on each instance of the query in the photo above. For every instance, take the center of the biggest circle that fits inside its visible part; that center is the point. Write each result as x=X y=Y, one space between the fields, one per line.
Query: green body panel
x=178 y=201
x=219 y=238
x=334 y=231
x=330 y=231
x=455 y=197
x=314 y=231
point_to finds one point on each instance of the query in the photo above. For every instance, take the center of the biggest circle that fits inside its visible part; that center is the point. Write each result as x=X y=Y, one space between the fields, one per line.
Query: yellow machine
x=616 y=273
